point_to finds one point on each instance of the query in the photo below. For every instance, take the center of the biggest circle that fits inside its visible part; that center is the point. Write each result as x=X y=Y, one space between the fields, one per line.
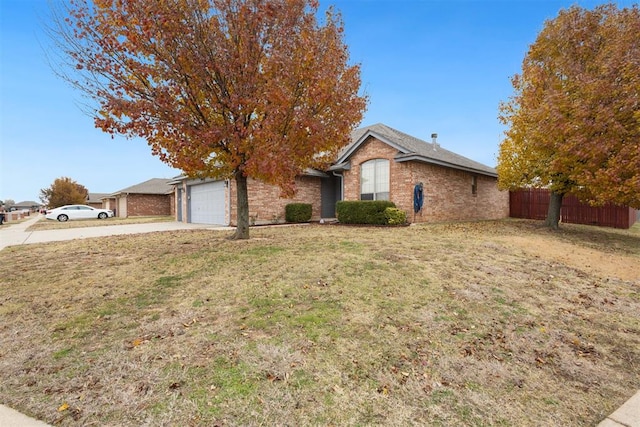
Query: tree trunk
x=242 y=229
x=553 y=214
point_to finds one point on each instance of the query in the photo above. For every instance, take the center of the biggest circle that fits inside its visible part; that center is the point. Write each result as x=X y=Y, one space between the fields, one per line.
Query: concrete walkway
x=628 y=415
x=12 y=418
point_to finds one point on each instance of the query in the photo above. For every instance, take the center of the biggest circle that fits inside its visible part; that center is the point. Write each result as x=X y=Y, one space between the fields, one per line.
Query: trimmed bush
x=297 y=212
x=395 y=216
x=363 y=211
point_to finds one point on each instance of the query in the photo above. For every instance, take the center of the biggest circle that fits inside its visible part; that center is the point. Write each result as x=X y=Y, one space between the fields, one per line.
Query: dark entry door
x=331 y=193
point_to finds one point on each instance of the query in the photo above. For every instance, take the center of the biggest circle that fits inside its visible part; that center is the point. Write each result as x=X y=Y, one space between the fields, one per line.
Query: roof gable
x=152 y=186
x=359 y=136
x=96 y=197
x=412 y=149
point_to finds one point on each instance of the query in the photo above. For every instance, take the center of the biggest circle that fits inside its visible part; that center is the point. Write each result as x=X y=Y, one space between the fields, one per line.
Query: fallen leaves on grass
x=453 y=324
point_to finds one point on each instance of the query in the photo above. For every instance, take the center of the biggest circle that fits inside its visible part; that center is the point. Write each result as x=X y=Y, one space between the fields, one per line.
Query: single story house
x=95 y=199
x=208 y=201
x=154 y=197
x=20 y=210
x=28 y=205
x=380 y=163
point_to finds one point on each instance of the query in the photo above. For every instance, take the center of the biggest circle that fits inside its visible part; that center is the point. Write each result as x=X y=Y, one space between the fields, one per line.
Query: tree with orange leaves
x=228 y=89
x=64 y=191
x=574 y=121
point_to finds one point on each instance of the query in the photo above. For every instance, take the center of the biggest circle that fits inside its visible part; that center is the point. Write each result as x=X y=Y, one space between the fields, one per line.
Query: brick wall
x=148 y=205
x=109 y=203
x=266 y=205
x=448 y=195
x=447 y=192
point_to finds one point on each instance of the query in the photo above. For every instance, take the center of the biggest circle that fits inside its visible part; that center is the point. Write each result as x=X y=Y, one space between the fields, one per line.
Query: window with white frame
x=374 y=180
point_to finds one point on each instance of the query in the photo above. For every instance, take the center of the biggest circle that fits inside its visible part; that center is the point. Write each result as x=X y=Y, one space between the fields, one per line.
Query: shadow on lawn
x=604 y=239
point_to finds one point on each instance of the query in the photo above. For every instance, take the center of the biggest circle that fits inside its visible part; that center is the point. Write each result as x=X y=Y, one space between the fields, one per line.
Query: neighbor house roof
x=96 y=197
x=409 y=149
x=27 y=204
x=152 y=186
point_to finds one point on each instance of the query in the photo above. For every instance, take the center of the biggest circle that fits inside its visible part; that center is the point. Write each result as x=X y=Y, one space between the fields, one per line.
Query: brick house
x=381 y=163
x=207 y=201
x=154 y=197
x=95 y=200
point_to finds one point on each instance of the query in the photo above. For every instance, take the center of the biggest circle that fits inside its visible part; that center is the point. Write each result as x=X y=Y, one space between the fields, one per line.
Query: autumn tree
x=574 y=119
x=227 y=89
x=64 y=191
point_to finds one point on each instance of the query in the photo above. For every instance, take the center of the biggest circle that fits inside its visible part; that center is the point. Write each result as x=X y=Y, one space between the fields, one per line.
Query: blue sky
x=428 y=66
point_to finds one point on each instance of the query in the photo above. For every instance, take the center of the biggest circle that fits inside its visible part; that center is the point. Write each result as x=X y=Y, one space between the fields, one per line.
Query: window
x=474 y=185
x=374 y=180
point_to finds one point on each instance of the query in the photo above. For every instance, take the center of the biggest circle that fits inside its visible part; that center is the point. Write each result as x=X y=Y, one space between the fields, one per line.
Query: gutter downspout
x=341 y=187
x=341 y=184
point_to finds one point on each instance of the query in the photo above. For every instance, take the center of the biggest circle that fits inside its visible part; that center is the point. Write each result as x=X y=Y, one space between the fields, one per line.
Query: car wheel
x=102 y=215
x=63 y=218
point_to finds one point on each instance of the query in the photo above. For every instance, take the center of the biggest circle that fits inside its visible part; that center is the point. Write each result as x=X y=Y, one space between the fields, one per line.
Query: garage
x=206 y=203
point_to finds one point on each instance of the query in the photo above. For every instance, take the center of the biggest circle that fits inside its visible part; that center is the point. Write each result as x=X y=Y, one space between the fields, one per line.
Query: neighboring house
x=25 y=206
x=20 y=210
x=95 y=199
x=150 y=198
x=381 y=163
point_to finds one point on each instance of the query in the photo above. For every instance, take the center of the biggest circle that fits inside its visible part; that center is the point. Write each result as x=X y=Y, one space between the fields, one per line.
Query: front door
x=330 y=193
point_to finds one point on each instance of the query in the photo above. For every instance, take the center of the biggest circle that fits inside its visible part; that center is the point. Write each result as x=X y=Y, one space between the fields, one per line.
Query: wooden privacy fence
x=533 y=203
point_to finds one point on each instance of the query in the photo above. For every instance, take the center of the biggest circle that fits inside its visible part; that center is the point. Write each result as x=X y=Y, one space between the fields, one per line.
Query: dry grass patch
x=47 y=224
x=448 y=324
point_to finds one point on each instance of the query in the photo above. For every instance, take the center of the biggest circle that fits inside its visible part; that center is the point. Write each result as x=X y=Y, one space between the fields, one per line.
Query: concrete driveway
x=12 y=234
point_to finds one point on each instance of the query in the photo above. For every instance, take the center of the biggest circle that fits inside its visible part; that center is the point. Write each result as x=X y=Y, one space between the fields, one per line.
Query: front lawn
x=487 y=323
x=50 y=224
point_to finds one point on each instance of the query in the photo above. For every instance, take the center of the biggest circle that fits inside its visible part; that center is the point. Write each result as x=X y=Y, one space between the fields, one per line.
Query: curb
x=628 y=415
x=13 y=418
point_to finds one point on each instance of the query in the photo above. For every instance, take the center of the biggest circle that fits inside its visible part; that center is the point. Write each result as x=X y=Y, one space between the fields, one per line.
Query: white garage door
x=206 y=203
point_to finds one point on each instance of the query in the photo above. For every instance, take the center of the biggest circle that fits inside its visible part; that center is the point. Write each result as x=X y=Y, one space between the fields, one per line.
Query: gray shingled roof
x=411 y=148
x=26 y=204
x=96 y=197
x=152 y=186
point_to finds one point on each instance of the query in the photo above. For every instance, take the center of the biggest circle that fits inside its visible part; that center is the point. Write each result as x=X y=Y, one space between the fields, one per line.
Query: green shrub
x=395 y=216
x=363 y=211
x=297 y=212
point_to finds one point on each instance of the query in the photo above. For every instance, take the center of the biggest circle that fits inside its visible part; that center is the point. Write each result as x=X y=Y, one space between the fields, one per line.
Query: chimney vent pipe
x=434 y=140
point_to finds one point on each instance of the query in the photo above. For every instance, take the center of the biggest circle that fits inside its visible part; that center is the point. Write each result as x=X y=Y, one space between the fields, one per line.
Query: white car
x=65 y=213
